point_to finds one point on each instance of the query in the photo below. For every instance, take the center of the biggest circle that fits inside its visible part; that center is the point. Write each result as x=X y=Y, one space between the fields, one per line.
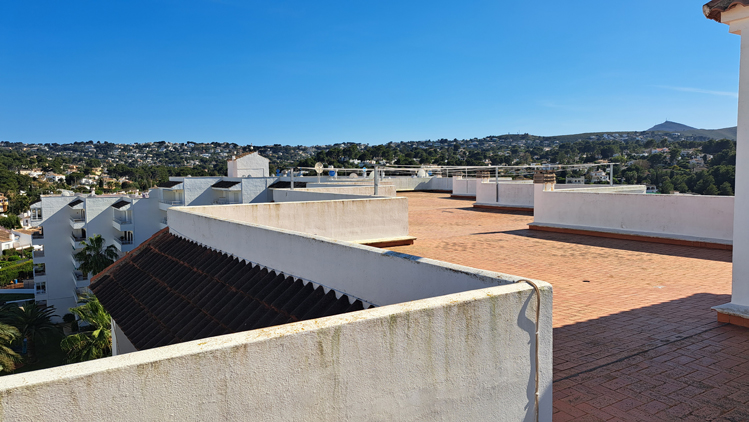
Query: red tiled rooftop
x=634 y=336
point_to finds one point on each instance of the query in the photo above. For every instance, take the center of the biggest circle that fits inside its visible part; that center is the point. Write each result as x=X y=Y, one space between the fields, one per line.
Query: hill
x=668 y=126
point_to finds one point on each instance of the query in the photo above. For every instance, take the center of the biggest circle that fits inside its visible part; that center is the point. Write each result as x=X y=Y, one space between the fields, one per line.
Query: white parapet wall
x=466 y=356
x=520 y=193
x=465 y=186
x=509 y=194
x=689 y=218
x=384 y=189
x=339 y=217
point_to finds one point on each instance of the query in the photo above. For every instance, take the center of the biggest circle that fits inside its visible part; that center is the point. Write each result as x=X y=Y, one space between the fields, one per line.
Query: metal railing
x=123 y=221
x=124 y=241
x=80 y=276
x=77 y=219
x=77 y=239
x=164 y=201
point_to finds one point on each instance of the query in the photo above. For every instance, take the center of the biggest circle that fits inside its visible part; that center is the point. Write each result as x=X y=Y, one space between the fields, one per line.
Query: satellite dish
x=318 y=167
x=353 y=175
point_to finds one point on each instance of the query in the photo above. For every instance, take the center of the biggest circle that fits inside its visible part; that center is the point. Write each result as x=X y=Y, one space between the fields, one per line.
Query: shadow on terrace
x=669 y=361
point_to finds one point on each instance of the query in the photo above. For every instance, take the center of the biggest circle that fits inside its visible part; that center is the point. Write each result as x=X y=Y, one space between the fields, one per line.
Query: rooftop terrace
x=634 y=336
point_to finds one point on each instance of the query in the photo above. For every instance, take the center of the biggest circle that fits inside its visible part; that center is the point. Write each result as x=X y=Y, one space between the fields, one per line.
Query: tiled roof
x=287 y=185
x=714 y=8
x=5 y=235
x=121 y=203
x=169 y=184
x=171 y=290
x=75 y=202
x=224 y=184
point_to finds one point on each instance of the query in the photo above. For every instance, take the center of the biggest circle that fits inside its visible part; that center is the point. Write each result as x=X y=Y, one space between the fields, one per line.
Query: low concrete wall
x=359 y=189
x=520 y=193
x=684 y=217
x=355 y=219
x=468 y=356
x=444 y=184
x=404 y=183
x=465 y=187
x=306 y=195
x=509 y=194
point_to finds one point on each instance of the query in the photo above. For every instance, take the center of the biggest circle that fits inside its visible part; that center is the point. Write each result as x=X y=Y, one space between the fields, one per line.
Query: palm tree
x=94 y=257
x=8 y=358
x=33 y=321
x=92 y=344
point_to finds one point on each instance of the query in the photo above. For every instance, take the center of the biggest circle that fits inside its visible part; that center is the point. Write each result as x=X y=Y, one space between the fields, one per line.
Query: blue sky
x=302 y=72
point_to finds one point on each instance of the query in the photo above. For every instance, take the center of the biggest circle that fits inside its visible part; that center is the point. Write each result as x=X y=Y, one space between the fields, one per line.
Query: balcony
x=225 y=201
x=80 y=279
x=76 y=263
x=166 y=204
x=77 y=222
x=124 y=245
x=123 y=225
x=76 y=241
x=38 y=235
x=163 y=223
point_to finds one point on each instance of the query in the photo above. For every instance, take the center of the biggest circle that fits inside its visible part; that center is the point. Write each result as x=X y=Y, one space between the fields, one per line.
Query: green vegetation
x=96 y=341
x=94 y=257
x=8 y=358
x=33 y=321
x=15 y=272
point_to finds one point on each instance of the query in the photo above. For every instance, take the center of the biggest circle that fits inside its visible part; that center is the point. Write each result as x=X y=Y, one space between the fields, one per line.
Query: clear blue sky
x=319 y=72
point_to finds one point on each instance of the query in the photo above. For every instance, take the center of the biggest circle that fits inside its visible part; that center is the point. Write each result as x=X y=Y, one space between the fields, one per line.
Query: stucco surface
x=354 y=219
x=468 y=356
x=707 y=218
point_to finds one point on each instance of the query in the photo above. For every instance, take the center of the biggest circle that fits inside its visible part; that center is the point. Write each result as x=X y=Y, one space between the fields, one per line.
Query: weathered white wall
x=363 y=189
x=120 y=343
x=250 y=165
x=686 y=217
x=352 y=220
x=467 y=356
x=301 y=195
x=375 y=275
x=404 y=183
x=444 y=184
x=510 y=193
x=464 y=187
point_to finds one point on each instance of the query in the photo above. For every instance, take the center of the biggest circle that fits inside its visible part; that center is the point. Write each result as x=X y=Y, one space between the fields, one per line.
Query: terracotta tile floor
x=634 y=336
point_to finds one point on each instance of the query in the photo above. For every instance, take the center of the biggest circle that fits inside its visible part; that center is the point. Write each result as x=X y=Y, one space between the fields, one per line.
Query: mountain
x=667 y=126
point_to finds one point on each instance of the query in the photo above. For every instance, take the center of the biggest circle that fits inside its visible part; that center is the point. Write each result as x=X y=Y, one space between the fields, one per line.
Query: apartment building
x=65 y=222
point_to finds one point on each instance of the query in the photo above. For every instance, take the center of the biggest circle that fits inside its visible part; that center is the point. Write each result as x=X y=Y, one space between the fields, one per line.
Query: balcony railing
x=37 y=235
x=224 y=201
x=78 y=238
x=123 y=221
x=77 y=219
x=79 y=276
x=39 y=273
x=124 y=241
x=164 y=221
x=38 y=254
x=164 y=201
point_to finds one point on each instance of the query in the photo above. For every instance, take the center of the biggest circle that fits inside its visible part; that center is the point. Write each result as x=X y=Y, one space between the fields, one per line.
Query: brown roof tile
x=714 y=8
x=171 y=290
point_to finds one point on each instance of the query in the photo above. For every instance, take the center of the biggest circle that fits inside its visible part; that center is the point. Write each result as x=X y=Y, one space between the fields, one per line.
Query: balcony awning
x=76 y=202
x=121 y=203
x=169 y=185
x=224 y=184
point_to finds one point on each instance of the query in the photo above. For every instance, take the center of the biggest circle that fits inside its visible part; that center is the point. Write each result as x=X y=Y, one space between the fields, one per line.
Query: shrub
x=16 y=271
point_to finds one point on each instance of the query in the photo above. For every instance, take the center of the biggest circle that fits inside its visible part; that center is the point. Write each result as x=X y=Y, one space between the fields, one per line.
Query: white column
x=738 y=19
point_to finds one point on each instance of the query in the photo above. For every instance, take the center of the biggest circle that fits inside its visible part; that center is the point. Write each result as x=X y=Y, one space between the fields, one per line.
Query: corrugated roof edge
x=715 y=8
x=129 y=255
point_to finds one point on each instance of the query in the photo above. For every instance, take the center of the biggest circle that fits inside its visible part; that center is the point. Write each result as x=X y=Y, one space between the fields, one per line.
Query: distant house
x=574 y=180
x=248 y=165
x=599 y=176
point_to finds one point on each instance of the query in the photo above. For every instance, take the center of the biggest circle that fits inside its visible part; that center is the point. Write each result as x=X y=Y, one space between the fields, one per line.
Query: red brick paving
x=634 y=336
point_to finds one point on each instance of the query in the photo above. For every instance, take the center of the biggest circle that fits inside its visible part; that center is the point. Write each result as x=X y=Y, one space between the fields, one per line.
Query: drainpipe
x=292 y=178
x=376 y=181
x=496 y=181
x=611 y=174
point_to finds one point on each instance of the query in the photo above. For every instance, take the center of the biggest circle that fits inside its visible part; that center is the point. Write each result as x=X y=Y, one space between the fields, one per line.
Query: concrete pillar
x=737 y=312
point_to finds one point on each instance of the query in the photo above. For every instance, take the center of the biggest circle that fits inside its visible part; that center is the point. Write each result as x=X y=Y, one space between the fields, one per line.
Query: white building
x=66 y=221
x=250 y=164
x=599 y=176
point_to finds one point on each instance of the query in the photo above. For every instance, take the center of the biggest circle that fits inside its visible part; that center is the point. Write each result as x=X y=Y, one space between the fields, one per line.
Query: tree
x=711 y=190
x=94 y=343
x=726 y=189
x=667 y=187
x=10 y=222
x=94 y=257
x=34 y=322
x=8 y=358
